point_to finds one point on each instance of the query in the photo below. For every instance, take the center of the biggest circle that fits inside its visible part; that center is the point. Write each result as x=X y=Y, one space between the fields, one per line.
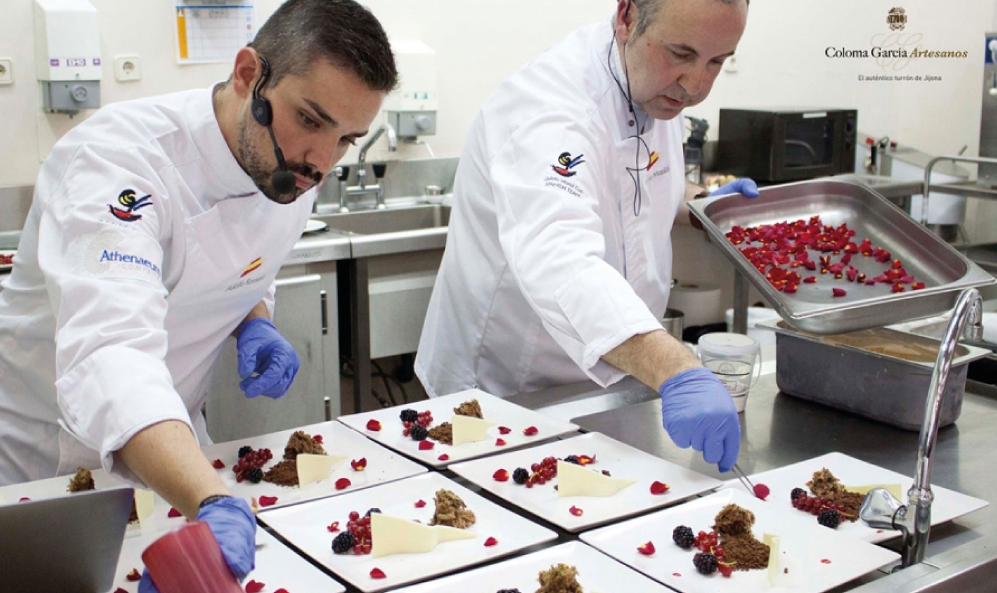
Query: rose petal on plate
x=218 y=464
x=317 y=438
x=268 y=501
x=530 y=431
x=444 y=457
x=134 y=576
x=282 y=590
x=255 y=586
x=373 y=425
x=490 y=542
x=377 y=573
x=762 y=491
x=420 y=503
x=646 y=549
x=504 y=430
x=24 y=499
x=334 y=527
x=343 y=483
x=659 y=487
x=359 y=465
x=501 y=475
x=499 y=442
x=426 y=445
x=585 y=459
x=174 y=513
x=576 y=511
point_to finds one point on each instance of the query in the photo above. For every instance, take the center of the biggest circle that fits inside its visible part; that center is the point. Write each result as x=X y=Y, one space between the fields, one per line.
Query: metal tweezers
x=743 y=478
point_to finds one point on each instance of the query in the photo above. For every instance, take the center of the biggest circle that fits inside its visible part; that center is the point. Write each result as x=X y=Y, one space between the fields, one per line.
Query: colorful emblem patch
x=565 y=164
x=130 y=204
x=652 y=160
x=252 y=267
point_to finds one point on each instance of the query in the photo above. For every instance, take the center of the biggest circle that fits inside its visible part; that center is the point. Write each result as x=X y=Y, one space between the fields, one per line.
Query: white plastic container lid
x=727 y=344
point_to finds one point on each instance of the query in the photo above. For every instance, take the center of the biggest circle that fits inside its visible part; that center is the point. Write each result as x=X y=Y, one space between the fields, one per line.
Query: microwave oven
x=786 y=145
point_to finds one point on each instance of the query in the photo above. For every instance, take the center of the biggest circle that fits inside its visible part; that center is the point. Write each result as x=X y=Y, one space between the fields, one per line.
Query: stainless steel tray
x=813 y=308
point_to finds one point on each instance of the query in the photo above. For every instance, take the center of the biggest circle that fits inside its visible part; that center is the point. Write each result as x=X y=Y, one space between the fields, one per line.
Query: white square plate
x=596 y=573
x=494 y=409
x=277 y=566
x=383 y=465
x=305 y=527
x=622 y=461
x=948 y=504
x=821 y=558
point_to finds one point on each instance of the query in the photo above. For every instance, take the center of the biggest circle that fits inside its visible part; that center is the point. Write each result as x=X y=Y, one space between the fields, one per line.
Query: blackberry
x=409 y=415
x=705 y=563
x=796 y=493
x=829 y=518
x=520 y=475
x=255 y=475
x=572 y=459
x=244 y=450
x=342 y=543
x=371 y=510
x=418 y=432
x=683 y=537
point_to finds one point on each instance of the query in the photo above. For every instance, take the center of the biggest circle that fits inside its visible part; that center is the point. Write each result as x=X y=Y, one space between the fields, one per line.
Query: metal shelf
x=968 y=189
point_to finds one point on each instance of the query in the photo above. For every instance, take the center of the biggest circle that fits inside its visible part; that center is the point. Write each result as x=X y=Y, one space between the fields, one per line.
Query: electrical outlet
x=6 y=71
x=730 y=64
x=127 y=68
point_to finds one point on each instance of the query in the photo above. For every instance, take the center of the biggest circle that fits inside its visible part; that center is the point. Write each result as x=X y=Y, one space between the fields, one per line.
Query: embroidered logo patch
x=252 y=267
x=130 y=204
x=651 y=160
x=565 y=164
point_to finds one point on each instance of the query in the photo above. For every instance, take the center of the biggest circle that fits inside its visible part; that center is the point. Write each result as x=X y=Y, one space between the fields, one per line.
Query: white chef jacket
x=547 y=267
x=145 y=246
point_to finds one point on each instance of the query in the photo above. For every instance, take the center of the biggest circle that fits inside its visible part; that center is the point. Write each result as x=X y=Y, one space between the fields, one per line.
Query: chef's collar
x=225 y=176
x=639 y=117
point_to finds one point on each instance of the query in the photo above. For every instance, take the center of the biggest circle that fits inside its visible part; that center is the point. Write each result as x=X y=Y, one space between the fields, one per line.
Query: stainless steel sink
x=395 y=229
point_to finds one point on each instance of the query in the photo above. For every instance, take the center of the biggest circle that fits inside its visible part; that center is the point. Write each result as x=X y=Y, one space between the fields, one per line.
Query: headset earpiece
x=262 y=112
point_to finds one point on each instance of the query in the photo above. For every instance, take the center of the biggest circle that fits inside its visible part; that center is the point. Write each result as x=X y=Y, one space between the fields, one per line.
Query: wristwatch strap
x=211 y=499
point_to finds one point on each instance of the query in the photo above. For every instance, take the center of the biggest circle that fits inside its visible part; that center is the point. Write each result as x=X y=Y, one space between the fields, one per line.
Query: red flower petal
x=491 y=542
x=504 y=430
x=585 y=459
x=576 y=511
x=426 y=445
x=444 y=457
x=838 y=292
x=359 y=464
x=659 y=487
x=134 y=576
x=317 y=438
x=334 y=527
x=762 y=491
x=342 y=483
x=24 y=499
x=530 y=431
x=174 y=513
x=373 y=425
x=501 y=475
x=499 y=443
x=377 y=573
x=255 y=587
x=420 y=503
x=268 y=501
x=218 y=464
x=281 y=590
x=646 y=549
x=121 y=590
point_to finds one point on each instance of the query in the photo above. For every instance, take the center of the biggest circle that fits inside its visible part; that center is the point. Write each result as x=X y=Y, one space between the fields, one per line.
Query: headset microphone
x=282 y=180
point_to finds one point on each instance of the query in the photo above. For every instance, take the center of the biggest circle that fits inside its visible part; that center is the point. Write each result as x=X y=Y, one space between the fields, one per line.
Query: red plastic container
x=189 y=560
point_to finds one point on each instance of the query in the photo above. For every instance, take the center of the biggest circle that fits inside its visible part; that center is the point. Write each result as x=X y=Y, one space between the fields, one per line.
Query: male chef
x=156 y=231
x=558 y=259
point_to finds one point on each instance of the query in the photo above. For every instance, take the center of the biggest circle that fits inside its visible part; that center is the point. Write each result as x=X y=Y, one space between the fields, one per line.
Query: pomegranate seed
x=646 y=549
x=491 y=542
x=373 y=425
x=343 y=483
x=838 y=292
x=254 y=586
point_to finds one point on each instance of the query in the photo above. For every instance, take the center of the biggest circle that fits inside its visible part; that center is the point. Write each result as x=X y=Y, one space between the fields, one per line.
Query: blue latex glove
x=739 y=186
x=264 y=351
x=234 y=526
x=697 y=411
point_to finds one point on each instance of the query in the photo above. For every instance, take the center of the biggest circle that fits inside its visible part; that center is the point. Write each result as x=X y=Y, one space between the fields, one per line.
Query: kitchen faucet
x=361 y=188
x=880 y=509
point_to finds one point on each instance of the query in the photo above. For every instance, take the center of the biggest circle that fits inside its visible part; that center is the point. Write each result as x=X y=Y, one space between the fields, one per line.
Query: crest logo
x=652 y=160
x=252 y=267
x=565 y=164
x=896 y=19
x=127 y=199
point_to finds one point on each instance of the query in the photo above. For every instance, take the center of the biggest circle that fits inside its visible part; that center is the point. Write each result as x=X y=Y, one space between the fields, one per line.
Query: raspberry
x=705 y=563
x=572 y=459
x=796 y=493
x=683 y=537
x=342 y=543
x=409 y=415
x=520 y=475
x=418 y=432
x=244 y=450
x=829 y=518
x=255 y=475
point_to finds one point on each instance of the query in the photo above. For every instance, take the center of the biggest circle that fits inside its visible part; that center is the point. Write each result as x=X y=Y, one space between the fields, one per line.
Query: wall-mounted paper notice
x=213 y=30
